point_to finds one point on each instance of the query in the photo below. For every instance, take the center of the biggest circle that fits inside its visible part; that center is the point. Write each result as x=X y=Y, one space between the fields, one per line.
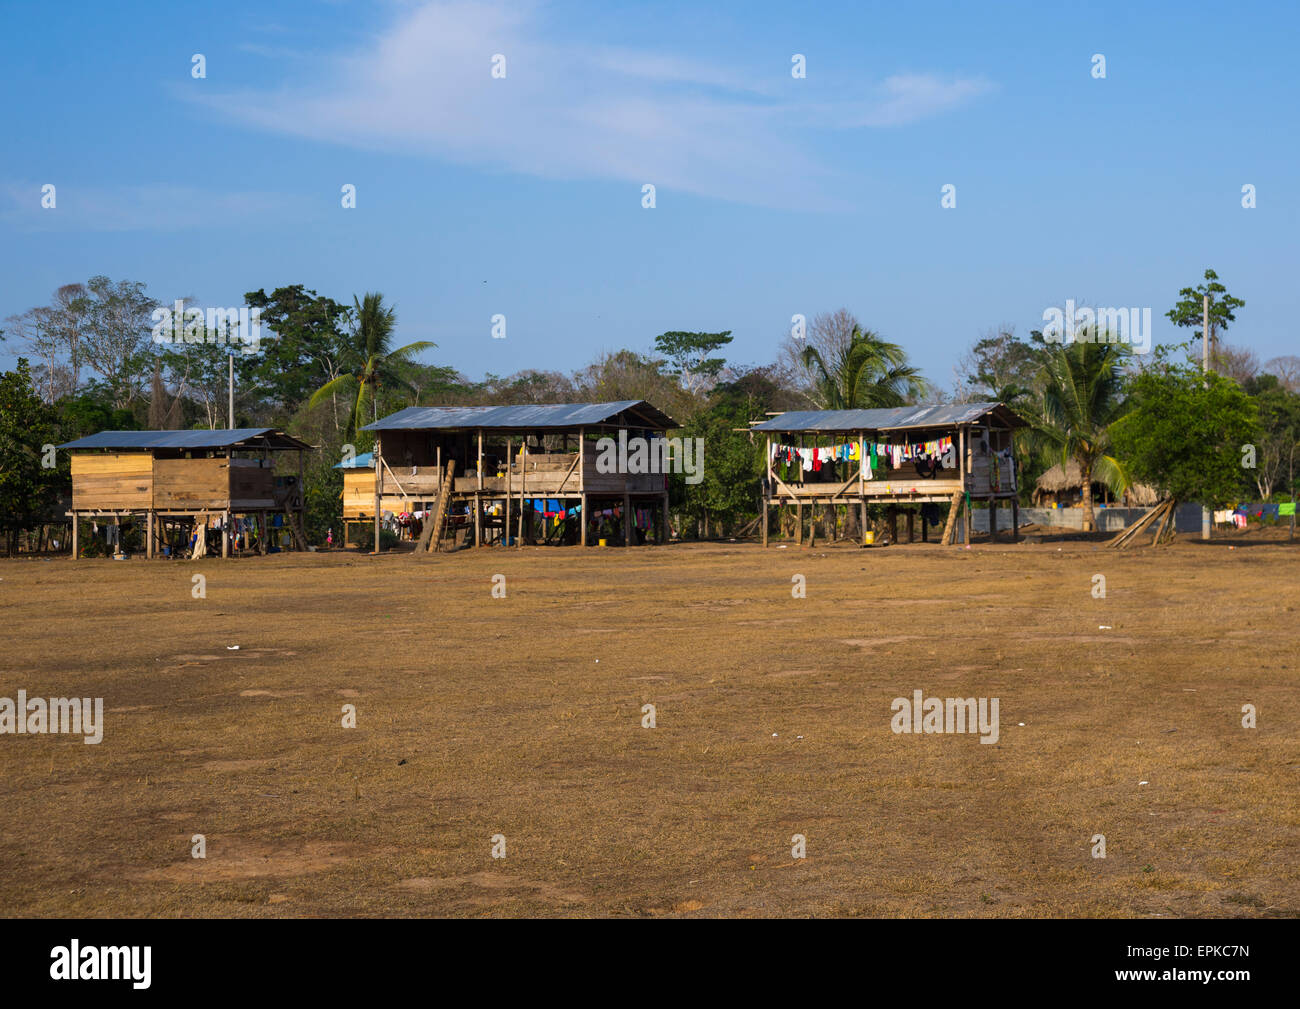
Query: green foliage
x=867 y=372
x=305 y=350
x=1190 y=308
x=29 y=491
x=1004 y=369
x=1083 y=396
x=1277 y=464
x=90 y=413
x=322 y=501
x=733 y=459
x=368 y=360
x=363 y=537
x=689 y=355
x=1185 y=432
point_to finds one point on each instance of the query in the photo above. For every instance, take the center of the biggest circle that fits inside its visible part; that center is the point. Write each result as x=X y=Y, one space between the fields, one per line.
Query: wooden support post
x=225 y=533
x=668 y=532
x=911 y=526
x=993 y=519
x=76 y=537
x=480 y=462
x=379 y=476
x=523 y=489
x=893 y=525
x=798 y=532
x=510 y=465
x=1015 y=520
x=583 y=516
x=478 y=506
x=812 y=523
x=149 y=547
x=862 y=505
x=767 y=486
x=969 y=522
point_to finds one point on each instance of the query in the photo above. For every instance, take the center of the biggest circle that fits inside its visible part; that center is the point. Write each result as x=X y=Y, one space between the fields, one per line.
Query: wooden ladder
x=431 y=538
x=296 y=532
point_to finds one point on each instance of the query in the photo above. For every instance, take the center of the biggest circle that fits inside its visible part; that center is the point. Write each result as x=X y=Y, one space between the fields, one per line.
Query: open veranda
x=672 y=730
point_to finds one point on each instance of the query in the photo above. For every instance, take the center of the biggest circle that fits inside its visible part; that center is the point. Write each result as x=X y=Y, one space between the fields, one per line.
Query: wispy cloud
x=572 y=111
x=135 y=208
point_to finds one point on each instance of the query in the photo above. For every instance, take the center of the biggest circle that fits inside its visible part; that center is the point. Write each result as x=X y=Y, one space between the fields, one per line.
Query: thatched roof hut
x=1065 y=484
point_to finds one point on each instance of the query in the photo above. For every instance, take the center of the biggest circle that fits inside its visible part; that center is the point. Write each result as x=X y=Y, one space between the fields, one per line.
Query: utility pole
x=232 y=392
x=1205 y=368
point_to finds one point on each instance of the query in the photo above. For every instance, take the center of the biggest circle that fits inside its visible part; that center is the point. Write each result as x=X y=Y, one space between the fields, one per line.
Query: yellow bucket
x=602 y=543
x=869 y=537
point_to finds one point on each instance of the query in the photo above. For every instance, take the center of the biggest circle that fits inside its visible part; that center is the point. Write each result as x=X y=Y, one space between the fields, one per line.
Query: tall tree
x=29 y=489
x=115 y=335
x=1190 y=308
x=1278 y=447
x=309 y=343
x=1000 y=367
x=370 y=359
x=689 y=355
x=866 y=372
x=1184 y=433
x=1083 y=384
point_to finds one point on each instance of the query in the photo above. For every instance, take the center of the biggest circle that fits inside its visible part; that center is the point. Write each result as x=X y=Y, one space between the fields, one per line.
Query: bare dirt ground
x=479 y=716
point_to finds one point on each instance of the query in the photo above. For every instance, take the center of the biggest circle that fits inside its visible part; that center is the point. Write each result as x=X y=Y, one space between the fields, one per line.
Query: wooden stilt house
x=523 y=474
x=173 y=479
x=917 y=455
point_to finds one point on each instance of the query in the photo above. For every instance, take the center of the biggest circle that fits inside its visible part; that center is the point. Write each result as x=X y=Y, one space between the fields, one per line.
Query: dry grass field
x=521 y=716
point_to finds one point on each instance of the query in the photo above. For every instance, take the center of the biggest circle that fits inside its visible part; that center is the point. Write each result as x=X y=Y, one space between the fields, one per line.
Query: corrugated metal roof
x=191 y=440
x=517 y=418
x=366 y=460
x=896 y=418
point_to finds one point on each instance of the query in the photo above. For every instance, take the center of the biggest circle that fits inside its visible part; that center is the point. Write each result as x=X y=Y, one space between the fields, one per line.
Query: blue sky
x=775 y=195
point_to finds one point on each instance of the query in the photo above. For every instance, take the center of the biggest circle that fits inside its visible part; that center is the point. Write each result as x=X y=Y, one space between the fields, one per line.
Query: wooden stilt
x=378 y=489
x=950 y=526
x=798 y=533
x=668 y=532
x=76 y=537
x=911 y=526
x=993 y=519
x=627 y=519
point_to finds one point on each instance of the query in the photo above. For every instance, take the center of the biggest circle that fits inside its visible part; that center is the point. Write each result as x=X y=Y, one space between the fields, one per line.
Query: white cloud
x=571 y=111
x=135 y=208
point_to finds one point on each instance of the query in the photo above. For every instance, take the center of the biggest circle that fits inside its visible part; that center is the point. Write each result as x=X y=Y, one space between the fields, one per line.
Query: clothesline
x=812 y=459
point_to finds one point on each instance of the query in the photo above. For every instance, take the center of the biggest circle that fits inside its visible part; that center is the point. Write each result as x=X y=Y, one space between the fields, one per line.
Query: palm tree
x=1082 y=397
x=866 y=372
x=370 y=361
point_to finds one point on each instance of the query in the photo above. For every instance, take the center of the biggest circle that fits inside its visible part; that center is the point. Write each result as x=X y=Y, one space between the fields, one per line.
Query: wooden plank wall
x=112 y=481
x=252 y=485
x=190 y=484
x=359 y=496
